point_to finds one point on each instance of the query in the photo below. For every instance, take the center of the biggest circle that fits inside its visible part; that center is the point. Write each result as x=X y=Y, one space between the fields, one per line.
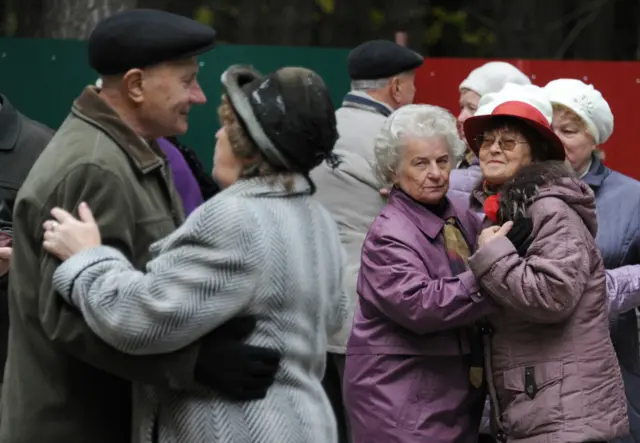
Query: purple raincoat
x=407 y=370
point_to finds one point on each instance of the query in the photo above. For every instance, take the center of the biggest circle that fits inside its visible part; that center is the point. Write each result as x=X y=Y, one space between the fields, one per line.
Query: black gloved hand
x=232 y=368
x=520 y=235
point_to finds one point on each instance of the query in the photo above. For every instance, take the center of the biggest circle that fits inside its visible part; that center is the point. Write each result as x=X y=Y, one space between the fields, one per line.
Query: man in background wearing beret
x=382 y=80
x=62 y=383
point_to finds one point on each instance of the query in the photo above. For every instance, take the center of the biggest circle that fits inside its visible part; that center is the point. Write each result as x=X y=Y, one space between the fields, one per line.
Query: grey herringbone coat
x=256 y=248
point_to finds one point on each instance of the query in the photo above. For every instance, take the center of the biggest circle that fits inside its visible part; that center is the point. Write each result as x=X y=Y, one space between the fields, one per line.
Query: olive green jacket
x=62 y=383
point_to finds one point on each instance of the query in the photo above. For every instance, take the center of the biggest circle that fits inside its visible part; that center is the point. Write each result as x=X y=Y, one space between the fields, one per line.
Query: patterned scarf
x=458 y=253
x=457 y=247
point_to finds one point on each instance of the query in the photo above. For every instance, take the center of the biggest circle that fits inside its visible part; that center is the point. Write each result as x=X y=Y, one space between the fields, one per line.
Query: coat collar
x=428 y=222
x=10 y=125
x=597 y=173
x=91 y=108
x=269 y=187
x=365 y=102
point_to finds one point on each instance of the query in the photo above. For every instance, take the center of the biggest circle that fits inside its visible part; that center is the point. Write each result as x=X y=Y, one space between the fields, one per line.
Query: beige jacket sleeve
x=351 y=195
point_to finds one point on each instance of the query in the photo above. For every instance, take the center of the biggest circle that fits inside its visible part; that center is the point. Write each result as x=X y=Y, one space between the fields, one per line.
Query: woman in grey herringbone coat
x=262 y=247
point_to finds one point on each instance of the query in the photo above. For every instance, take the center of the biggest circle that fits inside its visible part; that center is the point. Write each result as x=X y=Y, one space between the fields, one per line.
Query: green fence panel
x=42 y=77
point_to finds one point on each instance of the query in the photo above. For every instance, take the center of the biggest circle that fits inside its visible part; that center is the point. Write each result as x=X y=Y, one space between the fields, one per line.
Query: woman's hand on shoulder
x=66 y=235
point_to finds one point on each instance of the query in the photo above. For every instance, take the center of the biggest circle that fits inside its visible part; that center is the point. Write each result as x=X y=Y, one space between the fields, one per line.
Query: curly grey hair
x=413 y=121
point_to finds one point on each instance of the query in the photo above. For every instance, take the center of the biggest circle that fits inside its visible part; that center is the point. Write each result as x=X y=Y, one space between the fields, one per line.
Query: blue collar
x=366 y=104
x=597 y=173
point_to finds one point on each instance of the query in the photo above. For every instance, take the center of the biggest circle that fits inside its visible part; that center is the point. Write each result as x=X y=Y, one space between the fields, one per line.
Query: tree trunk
x=248 y=22
x=593 y=35
x=348 y=25
x=276 y=22
x=526 y=28
x=408 y=16
x=75 y=19
x=29 y=15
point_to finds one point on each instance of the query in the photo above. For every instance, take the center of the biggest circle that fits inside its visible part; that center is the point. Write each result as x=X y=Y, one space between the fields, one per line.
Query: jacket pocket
x=531 y=399
x=408 y=414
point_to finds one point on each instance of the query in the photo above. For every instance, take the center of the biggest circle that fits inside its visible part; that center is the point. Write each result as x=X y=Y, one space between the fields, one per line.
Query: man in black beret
x=62 y=383
x=382 y=80
x=383 y=71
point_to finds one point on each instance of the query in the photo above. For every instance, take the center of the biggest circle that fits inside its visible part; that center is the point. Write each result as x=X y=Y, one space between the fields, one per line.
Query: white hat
x=528 y=103
x=492 y=76
x=587 y=102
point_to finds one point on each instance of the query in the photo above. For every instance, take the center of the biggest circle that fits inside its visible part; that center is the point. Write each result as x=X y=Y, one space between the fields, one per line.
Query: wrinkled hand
x=234 y=369
x=493 y=232
x=5 y=259
x=520 y=235
x=66 y=235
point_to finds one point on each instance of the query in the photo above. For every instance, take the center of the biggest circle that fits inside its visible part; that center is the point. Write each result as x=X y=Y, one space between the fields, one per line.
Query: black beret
x=138 y=38
x=377 y=59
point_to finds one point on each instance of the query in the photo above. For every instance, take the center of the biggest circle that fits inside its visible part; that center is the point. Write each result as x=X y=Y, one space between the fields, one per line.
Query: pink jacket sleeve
x=546 y=284
x=394 y=279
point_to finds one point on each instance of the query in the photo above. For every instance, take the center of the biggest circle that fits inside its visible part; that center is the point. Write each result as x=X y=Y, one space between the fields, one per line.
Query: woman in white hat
x=583 y=120
x=488 y=78
x=552 y=371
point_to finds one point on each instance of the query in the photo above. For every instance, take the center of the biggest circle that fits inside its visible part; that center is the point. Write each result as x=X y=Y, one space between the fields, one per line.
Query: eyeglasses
x=506 y=144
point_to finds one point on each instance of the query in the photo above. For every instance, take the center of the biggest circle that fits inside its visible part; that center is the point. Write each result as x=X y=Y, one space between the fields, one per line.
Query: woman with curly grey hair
x=414 y=368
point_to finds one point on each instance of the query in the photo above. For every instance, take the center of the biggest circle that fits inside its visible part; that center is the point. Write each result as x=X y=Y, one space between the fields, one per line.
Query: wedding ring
x=54 y=225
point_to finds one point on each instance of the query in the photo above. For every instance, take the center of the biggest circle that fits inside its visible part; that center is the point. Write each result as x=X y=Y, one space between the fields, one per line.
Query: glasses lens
x=485 y=142
x=508 y=144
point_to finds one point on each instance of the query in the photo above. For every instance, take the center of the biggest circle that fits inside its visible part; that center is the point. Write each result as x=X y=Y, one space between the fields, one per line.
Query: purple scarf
x=183 y=179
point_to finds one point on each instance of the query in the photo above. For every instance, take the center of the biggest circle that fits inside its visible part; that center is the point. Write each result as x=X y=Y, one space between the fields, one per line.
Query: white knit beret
x=492 y=76
x=587 y=102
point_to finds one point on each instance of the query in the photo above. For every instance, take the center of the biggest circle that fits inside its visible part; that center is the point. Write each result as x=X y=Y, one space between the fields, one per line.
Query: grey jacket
x=255 y=248
x=351 y=193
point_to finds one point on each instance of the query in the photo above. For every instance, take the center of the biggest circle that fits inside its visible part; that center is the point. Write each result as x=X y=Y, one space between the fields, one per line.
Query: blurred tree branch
x=577 y=29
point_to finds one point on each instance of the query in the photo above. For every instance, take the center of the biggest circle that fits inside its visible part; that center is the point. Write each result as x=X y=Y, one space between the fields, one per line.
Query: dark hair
x=539 y=146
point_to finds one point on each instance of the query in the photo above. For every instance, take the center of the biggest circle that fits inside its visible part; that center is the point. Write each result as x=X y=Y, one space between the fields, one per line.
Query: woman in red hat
x=552 y=371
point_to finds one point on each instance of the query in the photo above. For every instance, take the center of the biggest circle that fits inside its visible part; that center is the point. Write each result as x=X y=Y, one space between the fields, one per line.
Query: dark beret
x=377 y=59
x=139 y=38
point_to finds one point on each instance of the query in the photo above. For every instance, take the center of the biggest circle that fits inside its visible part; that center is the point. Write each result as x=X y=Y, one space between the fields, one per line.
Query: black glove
x=232 y=368
x=520 y=235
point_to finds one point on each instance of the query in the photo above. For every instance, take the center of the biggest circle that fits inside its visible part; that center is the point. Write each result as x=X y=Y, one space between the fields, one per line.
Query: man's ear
x=395 y=88
x=132 y=81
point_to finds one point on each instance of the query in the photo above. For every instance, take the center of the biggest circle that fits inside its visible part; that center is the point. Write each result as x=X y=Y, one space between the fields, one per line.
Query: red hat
x=527 y=103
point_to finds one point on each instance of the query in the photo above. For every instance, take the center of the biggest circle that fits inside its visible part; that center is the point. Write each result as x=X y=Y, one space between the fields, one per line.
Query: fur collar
x=517 y=194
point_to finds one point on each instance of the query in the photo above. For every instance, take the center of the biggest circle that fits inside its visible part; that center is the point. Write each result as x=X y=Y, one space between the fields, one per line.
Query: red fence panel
x=438 y=79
